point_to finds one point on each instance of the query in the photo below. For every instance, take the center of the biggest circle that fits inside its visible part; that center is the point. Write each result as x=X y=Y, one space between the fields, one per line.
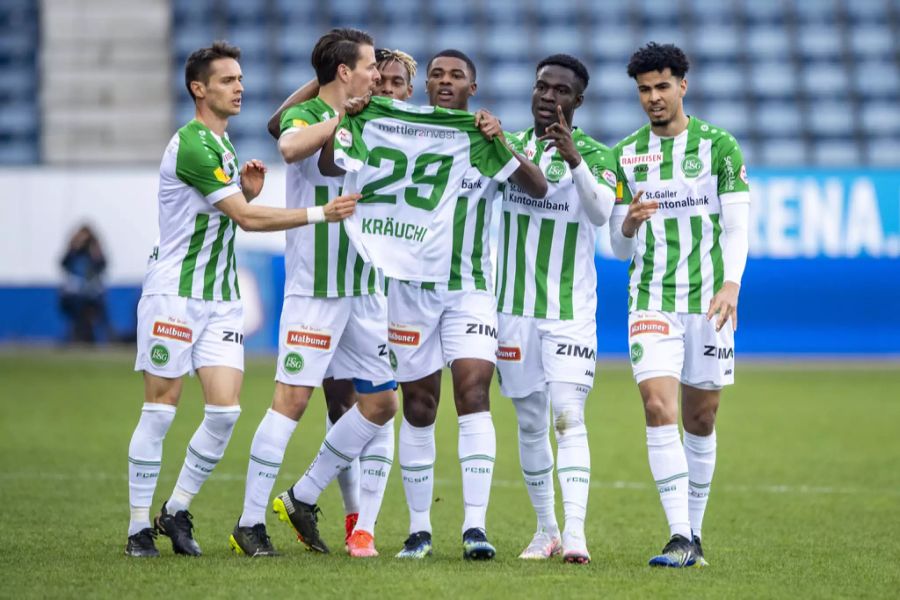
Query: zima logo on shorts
x=308 y=339
x=403 y=337
x=172 y=331
x=637 y=353
x=640 y=327
x=159 y=355
x=509 y=353
x=293 y=363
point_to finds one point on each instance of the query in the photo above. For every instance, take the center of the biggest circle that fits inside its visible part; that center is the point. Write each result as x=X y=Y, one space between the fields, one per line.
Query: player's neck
x=334 y=95
x=208 y=117
x=673 y=128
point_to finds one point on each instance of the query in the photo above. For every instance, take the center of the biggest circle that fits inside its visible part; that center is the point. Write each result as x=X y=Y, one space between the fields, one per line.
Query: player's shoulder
x=519 y=139
x=308 y=112
x=587 y=145
x=196 y=140
x=629 y=140
x=722 y=140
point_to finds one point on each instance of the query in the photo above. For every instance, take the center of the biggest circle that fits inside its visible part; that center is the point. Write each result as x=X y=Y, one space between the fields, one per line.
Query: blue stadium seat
x=831 y=118
x=836 y=153
x=880 y=118
x=778 y=118
x=877 y=79
x=719 y=80
x=560 y=39
x=619 y=119
x=556 y=14
x=775 y=79
x=875 y=41
x=884 y=152
x=610 y=80
x=819 y=41
x=187 y=12
x=818 y=11
x=458 y=12
x=765 y=42
x=612 y=42
x=503 y=11
x=868 y=11
x=659 y=11
x=241 y=13
x=783 y=152
x=730 y=116
x=608 y=13
x=718 y=43
x=510 y=80
x=19 y=118
x=254 y=42
x=460 y=38
x=828 y=78
x=665 y=33
x=763 y=11
x=507 y=42
x=709 y=12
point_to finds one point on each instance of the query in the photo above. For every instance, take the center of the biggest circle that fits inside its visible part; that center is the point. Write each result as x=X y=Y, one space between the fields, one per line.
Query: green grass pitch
x=805 y=501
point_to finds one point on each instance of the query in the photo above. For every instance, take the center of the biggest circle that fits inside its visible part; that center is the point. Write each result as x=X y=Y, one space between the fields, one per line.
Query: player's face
x=554 y=86
x=449 y=83
x=364 y=77
x=394 y=82
x=661 y=95
x=222 y=93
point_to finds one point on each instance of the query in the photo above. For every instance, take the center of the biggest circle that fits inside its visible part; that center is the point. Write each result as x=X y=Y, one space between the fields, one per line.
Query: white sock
x=204 y=452
x=348 y=479
x=700 y=452
x=416 y=455
x=342 y=444
x=573 y=456
x=144 y=460
x=375 y=466
x=477 y=449
x=670 y=471
x=266 y=453
x=536 y=457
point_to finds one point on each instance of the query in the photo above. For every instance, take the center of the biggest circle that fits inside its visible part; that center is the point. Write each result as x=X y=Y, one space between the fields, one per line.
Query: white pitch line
x=504 y=483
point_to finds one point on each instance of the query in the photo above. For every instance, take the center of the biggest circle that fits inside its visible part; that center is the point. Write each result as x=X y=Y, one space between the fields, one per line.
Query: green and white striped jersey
x=545 y=258
x=677 y=266
x=427 y=177
x=194 y=257
x=319 y=260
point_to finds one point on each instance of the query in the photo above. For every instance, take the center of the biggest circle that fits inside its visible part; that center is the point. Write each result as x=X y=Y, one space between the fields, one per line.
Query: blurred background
x=93 y=90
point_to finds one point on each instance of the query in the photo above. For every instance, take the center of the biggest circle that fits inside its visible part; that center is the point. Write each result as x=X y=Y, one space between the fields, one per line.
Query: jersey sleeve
x=296 y=117
x=200 y=166
x=730 y=167
x=602 y=164
x=623 y=192
x=350 y=151
x=491 y=157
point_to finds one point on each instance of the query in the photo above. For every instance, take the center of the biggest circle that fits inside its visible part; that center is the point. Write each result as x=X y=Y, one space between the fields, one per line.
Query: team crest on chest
x=691 y=165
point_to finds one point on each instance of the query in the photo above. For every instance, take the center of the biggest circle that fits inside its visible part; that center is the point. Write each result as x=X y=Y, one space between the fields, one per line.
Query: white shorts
x=342 y=338
x=431 y=328
x=681 y=345
x=533 y=352
x=178 y=335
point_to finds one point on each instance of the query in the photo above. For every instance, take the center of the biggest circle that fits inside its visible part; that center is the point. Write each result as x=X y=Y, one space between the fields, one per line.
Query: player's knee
x=531 y=413
x=291 y=401
x=701 y=422
x=473 y=398
x=419 y=408
x=658 y=411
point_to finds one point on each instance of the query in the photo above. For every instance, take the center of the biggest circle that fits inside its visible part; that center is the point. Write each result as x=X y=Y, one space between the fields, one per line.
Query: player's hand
x=638 y=212
x=354 y=106
x=559 y=135
x=488 y=124
x=341 y=207
x=253 y=175
x=724 y=304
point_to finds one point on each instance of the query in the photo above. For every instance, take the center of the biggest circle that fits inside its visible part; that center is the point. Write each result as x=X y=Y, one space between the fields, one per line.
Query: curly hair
x=384 y=56
x=658 y=57
x=567 y=62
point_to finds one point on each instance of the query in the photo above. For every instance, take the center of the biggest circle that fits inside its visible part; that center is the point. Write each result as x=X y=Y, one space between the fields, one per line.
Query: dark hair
x=197 y=66
x=335 y=48
x=567 y=62
x=658 y=57
x=453 y=54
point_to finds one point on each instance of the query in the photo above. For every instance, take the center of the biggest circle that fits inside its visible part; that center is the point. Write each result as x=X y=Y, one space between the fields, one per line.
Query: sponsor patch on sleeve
x=299 y=123
x=620 y=192
x=610 y=178
x=344 y=137
x=220 y=175
x=743 y=174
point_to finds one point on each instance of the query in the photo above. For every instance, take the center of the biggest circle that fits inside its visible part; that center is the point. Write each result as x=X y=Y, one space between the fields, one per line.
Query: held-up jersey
x=319 y=259
x=677 y=266
x=546 y=254
x=424 y=173
x=194 y=257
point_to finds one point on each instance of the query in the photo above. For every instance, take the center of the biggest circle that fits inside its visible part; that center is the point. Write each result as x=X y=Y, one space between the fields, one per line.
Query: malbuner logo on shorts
x=159 y=355
x=293 y=363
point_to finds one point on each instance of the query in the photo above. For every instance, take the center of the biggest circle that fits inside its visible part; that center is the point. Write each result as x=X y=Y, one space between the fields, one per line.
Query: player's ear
x=473 y=87
x=579 y=100
x=682 y=85
x=198 y=89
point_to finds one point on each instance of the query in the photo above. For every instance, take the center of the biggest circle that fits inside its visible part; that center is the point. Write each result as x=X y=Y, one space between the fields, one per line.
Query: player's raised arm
x=528 y=175
x=251 y=217
x=305 y=92
x=298 y=143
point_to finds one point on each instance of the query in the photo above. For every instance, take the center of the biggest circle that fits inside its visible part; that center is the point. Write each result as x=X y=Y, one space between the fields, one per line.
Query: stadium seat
x=828 y=78
x=559 y=39
x=819 y=41
x=762 y=11
x=880 y=118
x=875 y=41
x=784 y=152
x=835 y=153
x=773 y=79
x=720 y=80
x=831 y=118
x=877 y=79
x=733 y=117
x=778 y=118
x=612 y=42
x=866 y=11
x=768 y=43
x=884 y=152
